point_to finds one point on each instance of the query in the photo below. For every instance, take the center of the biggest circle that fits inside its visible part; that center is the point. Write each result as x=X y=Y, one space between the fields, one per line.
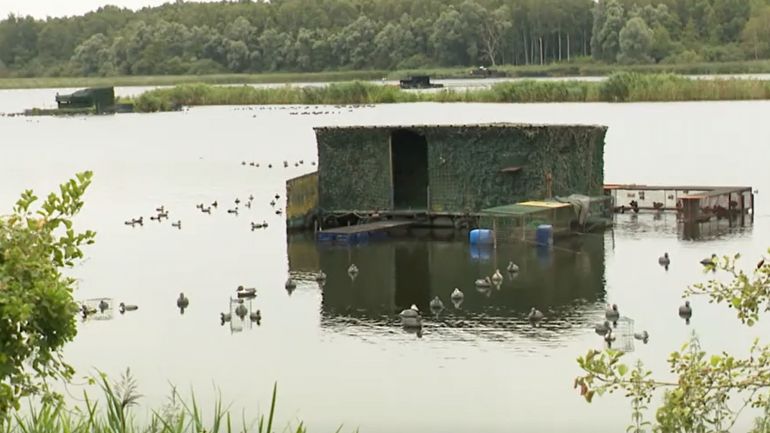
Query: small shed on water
x=444 y=171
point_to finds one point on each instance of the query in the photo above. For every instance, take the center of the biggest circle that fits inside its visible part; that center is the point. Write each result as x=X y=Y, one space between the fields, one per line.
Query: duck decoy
x=685 y=312
x=535 y=315
x=177 y=224
x=123 y=307
x=612 y=314
x=709 y=260
x=457 y=295
x=664 y=260
x=512 y=267
x=483 y=283
x=225 y=317
x=603 y=328
x=214 y=204
x=255 y=316
x=241 y=311
x=103 y=305
x=233 y=211
x=320 y=276
x=182 y=302
x=643 y=336
x=497 y=278
x=436 y=304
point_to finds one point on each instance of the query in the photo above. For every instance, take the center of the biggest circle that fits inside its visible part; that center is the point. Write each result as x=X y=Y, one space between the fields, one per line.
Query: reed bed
x=619 y=87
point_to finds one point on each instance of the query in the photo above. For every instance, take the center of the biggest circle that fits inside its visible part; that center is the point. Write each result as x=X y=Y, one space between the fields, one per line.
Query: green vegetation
x=698 y=398
x=36 y=304
x=115 y=414
x=622 y=87
x=191 y=38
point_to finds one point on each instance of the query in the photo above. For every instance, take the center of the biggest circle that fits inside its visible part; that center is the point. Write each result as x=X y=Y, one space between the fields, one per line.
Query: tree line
x=318 y=35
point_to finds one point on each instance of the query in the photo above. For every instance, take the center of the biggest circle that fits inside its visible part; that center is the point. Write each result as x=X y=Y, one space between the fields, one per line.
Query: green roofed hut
x=442 y=175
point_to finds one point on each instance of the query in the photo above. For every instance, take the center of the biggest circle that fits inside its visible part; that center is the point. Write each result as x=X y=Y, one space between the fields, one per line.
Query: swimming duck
x=199 y=206
x=277 y=196
x=155 y=218
x=251 y=197
x=643 y=336
x=412 y=311
x=225 y=317
x=182 y=302
x=457 y=295
x=177 y=224
x=139 y=220
x=285 y=164
x=123 y=308
x=410 y=318
x=255 y=226
x=272 y=203
x=612 y=314
x=353 y=270
x=214 y=204
x=290 y=284
x=233 y=211
x=535 y=315
x=497 y=277
x=269 y=165
x=436 y=304
x=103 y=305
x=709 y=260
x=264 y=224
x=207 y=210
x=664 y=260
x=320 y=276
x=241 y=311
x=248 y=205
x=163 y=215
x=278 y=212
x=685 y=311
x=603 y=328
x=512 y=267
x=86 y=311
x=255 y=316
x=483 y=282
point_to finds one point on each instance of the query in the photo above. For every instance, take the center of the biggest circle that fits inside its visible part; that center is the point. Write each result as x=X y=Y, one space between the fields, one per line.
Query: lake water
x=337 y=352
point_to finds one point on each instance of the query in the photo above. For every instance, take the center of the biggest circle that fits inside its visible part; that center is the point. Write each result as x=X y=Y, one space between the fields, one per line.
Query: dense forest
x=317 y=35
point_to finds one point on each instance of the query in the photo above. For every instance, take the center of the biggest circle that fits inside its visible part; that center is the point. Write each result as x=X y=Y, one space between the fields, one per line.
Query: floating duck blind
x=455 y=169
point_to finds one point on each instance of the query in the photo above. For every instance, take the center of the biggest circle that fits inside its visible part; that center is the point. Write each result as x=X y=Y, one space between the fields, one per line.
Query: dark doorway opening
x=409 y=152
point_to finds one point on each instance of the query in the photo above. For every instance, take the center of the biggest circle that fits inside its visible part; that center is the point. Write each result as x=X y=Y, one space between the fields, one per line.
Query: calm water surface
x=337 y=352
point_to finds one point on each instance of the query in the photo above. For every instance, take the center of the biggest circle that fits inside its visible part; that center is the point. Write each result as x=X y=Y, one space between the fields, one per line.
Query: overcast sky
x=58 y=8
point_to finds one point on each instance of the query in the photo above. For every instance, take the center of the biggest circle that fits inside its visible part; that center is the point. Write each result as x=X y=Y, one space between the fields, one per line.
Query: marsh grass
x=114 y=414
x=620 y=87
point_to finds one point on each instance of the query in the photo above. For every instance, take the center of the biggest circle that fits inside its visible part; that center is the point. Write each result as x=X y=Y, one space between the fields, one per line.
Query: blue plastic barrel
x=480 y=236
x=544 y=235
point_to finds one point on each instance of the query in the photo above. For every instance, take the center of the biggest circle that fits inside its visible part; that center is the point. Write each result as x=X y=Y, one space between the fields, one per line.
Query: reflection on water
x=566 y=283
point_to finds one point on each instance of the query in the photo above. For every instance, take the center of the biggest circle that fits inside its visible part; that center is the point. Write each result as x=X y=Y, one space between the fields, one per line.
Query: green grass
x=620 y=87
x=565 y=69
x=114 y=414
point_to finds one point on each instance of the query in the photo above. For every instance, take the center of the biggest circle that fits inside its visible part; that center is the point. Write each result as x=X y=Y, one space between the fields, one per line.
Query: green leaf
x=622 y=369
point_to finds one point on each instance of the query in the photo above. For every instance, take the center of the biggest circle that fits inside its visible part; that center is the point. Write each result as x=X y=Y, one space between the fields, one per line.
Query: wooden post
x=729 y=210
x=548 y=185
x=743 y=208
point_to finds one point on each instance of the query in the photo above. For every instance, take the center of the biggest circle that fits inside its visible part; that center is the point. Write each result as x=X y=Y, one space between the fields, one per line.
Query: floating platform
x=360 y=232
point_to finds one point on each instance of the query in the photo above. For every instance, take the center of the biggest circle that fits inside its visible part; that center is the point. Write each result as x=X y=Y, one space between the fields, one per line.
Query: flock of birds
x=308 y=110
x=270 y=165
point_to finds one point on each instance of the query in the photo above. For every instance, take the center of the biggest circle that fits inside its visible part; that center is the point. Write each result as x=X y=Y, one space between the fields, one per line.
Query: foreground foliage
x=700 y=399
x=37 y=310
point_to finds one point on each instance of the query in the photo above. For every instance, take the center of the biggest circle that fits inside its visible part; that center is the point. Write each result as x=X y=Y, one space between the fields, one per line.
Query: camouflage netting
x=464 y=165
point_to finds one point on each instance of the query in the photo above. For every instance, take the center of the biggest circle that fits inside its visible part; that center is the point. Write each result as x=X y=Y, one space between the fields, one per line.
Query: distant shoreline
x=560 y=70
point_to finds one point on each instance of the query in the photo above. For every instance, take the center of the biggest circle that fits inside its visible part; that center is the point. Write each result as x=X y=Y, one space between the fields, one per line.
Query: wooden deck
x=360 y=232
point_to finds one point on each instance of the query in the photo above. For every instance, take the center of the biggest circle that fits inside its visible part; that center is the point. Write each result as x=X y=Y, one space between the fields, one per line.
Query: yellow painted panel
x=548 y=204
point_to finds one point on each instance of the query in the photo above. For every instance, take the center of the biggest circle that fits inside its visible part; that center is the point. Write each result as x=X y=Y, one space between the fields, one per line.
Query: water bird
x=251 y=197
x=312 y=163
x=603 y=328
x=410 y=318
x=272 y=203
x=241 y=311
x=457 y=295
x=86 y=311
x=237 y=202
x=643 y=336
x=248 y=205
x=163 y=215
x=285 y=164
x=182 y=302
x=535 y=315
x=264 y=224
x=255 y=226
x=436 y=304
x=664 y=260
x=243 y=162
x=609 y=337
x=612 y=314
x=177 y=224
x=103 y=305
x=199 y=206
x=685 y=312
x=207 y=210
x=320 y=276
x=497 y=277
x=161 y=209
x=123 y=307
x=760 y=263
x=657 y=205
x=252 y=163
x=301 y=161
x=233 y=211
x=709 y=260
x=512 y=267
x=296 y=164
x=277 y=197
x=155 y=218
x=255 y=316
x=353 y=270
x=483 y=283
x=214 y=204
x=269 y=165
x=278 y=211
